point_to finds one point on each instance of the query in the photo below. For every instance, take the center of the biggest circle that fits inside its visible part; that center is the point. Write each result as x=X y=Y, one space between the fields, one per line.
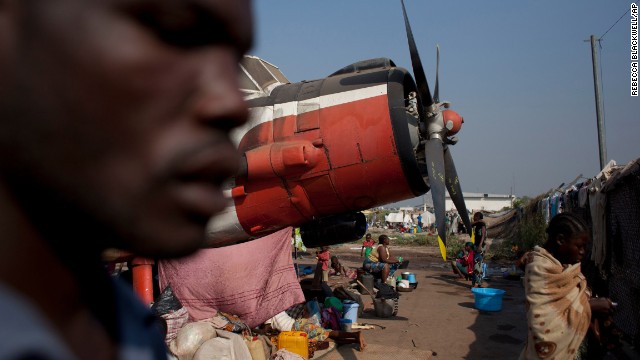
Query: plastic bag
x=190 y=338
x=166 y=303
x=175 y=321
x=386 y=292
x=313 y=308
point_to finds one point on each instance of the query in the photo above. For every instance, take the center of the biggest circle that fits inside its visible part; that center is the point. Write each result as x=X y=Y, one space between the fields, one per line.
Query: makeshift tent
x=398 y=217
x=254 y=280
x=427 y=218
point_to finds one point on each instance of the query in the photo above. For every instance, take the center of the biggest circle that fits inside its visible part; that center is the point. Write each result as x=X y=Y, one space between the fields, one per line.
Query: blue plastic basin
x=488 y=299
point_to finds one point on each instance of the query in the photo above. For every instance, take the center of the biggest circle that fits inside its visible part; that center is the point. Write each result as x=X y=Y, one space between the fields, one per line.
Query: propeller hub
x=452 y=121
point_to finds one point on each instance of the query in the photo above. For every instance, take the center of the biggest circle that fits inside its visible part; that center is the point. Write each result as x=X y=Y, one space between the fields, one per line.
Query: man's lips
x=200 y=199
x=213 y=164
x=199 y=179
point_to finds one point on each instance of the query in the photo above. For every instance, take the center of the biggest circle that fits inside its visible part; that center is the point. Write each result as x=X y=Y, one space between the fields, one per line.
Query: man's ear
x=560 y=239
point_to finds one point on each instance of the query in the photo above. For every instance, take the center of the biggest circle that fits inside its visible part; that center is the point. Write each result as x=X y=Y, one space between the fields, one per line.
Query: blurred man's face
x=118 y=112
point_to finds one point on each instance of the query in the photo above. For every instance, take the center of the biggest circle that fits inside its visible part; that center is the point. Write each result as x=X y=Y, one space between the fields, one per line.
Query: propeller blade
x=455 y=191
x=435 y=170
x=418 y=71
x=436 y=96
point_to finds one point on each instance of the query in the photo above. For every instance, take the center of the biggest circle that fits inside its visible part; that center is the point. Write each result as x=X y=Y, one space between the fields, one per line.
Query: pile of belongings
x=225 y=336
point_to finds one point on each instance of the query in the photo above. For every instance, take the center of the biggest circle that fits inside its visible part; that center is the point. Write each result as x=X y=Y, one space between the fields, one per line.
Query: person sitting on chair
x=380 y=261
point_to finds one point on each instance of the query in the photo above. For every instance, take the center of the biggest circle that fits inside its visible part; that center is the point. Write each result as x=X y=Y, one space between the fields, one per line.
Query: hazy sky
x=519 y=72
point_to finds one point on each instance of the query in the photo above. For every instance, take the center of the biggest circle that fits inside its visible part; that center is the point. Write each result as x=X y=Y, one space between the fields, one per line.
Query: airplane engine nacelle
x=318 y=148
x=332 y=230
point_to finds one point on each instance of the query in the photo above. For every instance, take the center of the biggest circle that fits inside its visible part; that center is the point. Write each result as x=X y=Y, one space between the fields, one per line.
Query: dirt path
x=439 y=315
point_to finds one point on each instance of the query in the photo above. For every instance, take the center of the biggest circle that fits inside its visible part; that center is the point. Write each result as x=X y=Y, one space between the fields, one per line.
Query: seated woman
x=380 y=261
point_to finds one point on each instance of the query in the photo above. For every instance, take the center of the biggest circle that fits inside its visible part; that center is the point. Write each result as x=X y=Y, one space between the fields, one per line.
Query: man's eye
x=183 y=26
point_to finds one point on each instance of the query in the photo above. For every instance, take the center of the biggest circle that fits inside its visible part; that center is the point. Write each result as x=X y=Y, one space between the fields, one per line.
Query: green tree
x=520 y=202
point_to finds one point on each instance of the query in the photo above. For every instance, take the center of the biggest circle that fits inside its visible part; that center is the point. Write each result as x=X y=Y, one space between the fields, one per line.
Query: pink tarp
x=253 y=280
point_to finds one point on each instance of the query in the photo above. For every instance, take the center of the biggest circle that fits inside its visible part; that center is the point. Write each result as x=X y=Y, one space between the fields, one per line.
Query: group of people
x=560 y=306
x=559 y=303
x=377 y=260
x=469 y=262
x=328 y=264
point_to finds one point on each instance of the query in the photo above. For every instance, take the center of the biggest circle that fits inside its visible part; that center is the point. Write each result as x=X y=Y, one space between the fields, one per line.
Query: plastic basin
x=350 y=310
x=487 y=299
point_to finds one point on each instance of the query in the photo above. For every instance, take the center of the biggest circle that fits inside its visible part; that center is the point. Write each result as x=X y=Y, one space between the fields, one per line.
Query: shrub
x=530 y=231
x=454 y=245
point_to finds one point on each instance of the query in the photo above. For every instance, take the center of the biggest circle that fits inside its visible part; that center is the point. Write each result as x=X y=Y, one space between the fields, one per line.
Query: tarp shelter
x=254 y=280
x=398 y=217
x=427 y=218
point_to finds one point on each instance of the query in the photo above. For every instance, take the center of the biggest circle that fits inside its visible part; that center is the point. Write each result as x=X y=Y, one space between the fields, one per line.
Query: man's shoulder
x=24 y=331
x=139 y=330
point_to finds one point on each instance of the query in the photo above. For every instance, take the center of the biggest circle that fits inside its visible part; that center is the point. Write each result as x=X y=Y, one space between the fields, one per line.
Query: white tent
x=398 y=217
x=427 y=218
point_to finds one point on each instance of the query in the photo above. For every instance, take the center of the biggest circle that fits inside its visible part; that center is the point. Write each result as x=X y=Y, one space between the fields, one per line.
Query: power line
x=614 y=24
x=598 y=88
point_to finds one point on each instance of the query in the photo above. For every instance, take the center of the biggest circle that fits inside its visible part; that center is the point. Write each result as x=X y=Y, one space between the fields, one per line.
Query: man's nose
x=220 y=103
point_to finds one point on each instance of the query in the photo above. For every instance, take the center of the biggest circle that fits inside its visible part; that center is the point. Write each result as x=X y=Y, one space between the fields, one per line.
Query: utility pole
x=596 y=85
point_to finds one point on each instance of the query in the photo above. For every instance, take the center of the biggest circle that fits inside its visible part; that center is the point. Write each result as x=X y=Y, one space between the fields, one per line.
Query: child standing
x=323 y=262
x=367 y=246
x=479 y=232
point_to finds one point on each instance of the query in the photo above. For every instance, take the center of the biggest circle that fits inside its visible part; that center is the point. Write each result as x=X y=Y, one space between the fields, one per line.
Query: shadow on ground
x=505 y=329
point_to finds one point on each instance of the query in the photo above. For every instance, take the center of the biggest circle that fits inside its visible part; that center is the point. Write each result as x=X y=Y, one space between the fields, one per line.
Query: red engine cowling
x=323 y=148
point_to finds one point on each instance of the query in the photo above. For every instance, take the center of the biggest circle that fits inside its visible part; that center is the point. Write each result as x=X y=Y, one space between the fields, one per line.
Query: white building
x=480 y=201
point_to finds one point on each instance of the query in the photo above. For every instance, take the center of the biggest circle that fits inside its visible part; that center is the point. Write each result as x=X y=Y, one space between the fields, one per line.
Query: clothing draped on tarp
x=598 y=207
x=253 y=280
x=587 y=195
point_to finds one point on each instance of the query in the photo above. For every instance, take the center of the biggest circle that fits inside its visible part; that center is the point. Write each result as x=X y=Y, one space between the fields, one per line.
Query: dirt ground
x=439 y=315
